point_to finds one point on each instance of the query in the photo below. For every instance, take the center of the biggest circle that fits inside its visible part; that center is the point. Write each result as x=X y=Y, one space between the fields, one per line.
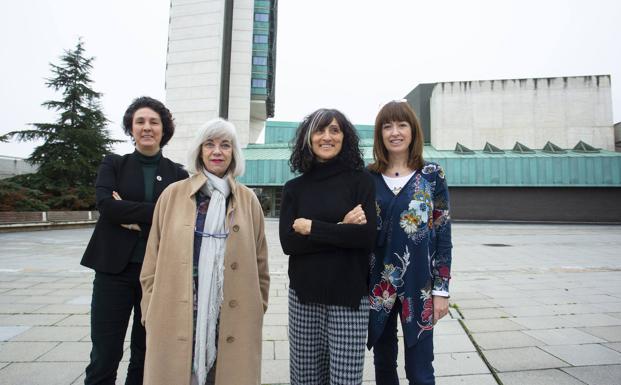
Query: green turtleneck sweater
x=149 y=171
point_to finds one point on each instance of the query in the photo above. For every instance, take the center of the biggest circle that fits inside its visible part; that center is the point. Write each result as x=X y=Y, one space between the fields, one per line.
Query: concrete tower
x=220 y=63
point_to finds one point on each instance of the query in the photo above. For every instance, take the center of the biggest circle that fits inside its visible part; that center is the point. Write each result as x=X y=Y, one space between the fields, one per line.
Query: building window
x=261 y=39
x=259 y=61
x=261 y=17
x=259 y=83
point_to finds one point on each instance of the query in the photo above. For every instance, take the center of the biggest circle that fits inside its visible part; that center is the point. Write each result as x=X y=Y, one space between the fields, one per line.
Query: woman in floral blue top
x=410 y=267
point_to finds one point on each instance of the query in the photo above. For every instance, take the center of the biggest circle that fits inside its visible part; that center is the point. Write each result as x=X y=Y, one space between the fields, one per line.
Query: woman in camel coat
x=171 y=275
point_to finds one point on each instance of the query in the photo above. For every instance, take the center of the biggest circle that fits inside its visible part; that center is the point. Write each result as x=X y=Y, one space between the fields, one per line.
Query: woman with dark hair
x=329 y=260
x=410 y=267
x=127 y=188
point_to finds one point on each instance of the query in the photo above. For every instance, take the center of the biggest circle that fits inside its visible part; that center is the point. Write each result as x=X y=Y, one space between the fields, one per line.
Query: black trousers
x=114 y=297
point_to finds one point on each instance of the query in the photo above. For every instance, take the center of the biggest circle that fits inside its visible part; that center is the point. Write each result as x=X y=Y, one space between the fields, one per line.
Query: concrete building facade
x=220 y=63
x=575 y=178
x=562 y=110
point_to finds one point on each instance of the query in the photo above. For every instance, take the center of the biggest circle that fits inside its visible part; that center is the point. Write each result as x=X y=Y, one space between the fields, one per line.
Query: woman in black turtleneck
x=127 y=188
x=328 y=260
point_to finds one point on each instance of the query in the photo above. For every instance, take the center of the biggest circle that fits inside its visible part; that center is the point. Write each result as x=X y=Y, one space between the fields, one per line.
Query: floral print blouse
x=412 y=257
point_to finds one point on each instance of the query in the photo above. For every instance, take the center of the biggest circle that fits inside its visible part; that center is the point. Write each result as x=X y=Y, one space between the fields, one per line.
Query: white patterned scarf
x=210 y=275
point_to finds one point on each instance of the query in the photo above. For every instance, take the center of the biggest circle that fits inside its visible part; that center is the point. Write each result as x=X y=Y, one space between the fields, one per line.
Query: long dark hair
x=302 y=157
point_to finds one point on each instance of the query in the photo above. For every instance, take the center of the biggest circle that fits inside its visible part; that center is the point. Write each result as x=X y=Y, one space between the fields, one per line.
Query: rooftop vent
x=522 y=149
x=463 y=150
x=552 y=148
x=585 y=148
x=491 y=149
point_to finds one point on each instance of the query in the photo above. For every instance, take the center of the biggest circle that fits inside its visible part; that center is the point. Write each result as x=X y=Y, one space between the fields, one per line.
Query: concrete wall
x=419 y=99
x=11 y=166
x=618 y=137
x=536 y=204
x=531 y=111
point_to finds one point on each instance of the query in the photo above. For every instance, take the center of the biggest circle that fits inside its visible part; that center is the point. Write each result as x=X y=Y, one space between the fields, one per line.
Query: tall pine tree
x=75 y=144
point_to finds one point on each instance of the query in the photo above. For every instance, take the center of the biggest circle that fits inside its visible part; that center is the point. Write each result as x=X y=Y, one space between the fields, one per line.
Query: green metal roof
x=267 y=165
x=537 y=169
x=282 y=132
x=584 y=166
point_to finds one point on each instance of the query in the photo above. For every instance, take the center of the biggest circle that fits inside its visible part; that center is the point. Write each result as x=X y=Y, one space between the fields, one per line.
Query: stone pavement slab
x=65 y=309
x=41 y=373
x=31 y=319
x=539 y=377
x=509 y=360
x=476 y=379
x=76 y=320
x=53 y=333
x=616 y=315
x=609 y=333
x=18 y=308
x=45 y=299
x=452 y=344
x=568 y=336
x=492 y=325
x=452 y=364
x=448 y=327
x=584 y=355
x=591 y=320
x=67 y=352
x=614 y=346
x=596 y=375
x=8 y=332
x=503 y=340
x=543 y=322
x=81 y=300
x=24 y=351
x=275 y=371
x=281 y=350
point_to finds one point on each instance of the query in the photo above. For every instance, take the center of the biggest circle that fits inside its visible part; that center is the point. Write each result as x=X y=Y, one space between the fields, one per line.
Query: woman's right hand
x=130 y=226
x=355 y=216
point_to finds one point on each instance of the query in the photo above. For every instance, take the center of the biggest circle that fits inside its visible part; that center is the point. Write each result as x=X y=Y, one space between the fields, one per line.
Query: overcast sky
x=348 y=54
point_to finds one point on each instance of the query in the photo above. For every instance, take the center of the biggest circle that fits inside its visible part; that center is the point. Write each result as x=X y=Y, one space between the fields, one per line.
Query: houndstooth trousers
x=326 y=342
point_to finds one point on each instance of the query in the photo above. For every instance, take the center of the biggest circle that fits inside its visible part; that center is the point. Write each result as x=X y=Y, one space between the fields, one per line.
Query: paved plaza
x=532 y=304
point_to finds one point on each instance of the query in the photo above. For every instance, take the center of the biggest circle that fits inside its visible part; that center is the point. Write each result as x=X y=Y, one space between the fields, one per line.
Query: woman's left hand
x=355 y=216
x=440 y=307
x=302 y=226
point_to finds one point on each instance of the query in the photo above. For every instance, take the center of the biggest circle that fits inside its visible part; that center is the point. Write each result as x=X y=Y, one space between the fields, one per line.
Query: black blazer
x=111 y=245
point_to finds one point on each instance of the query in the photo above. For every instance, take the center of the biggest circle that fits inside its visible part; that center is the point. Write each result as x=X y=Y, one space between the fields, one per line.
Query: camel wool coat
x=167 y=297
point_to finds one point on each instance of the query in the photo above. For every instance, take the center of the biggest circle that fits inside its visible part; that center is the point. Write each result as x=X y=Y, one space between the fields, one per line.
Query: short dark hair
x=397 y=111
x=302 y=157
x=168 y=124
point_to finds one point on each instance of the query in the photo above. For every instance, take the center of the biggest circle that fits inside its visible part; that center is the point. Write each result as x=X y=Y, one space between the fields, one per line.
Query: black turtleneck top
x=330 y=265
x=149 y=170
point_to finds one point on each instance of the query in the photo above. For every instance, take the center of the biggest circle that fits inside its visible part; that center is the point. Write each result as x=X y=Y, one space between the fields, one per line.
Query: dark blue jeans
x=114 y=297
x=418 y=358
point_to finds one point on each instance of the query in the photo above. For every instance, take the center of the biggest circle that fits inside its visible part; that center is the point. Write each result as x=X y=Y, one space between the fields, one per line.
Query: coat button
x=234 y=265
x=233 y=303
x=230 y=339
x=236 y=228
